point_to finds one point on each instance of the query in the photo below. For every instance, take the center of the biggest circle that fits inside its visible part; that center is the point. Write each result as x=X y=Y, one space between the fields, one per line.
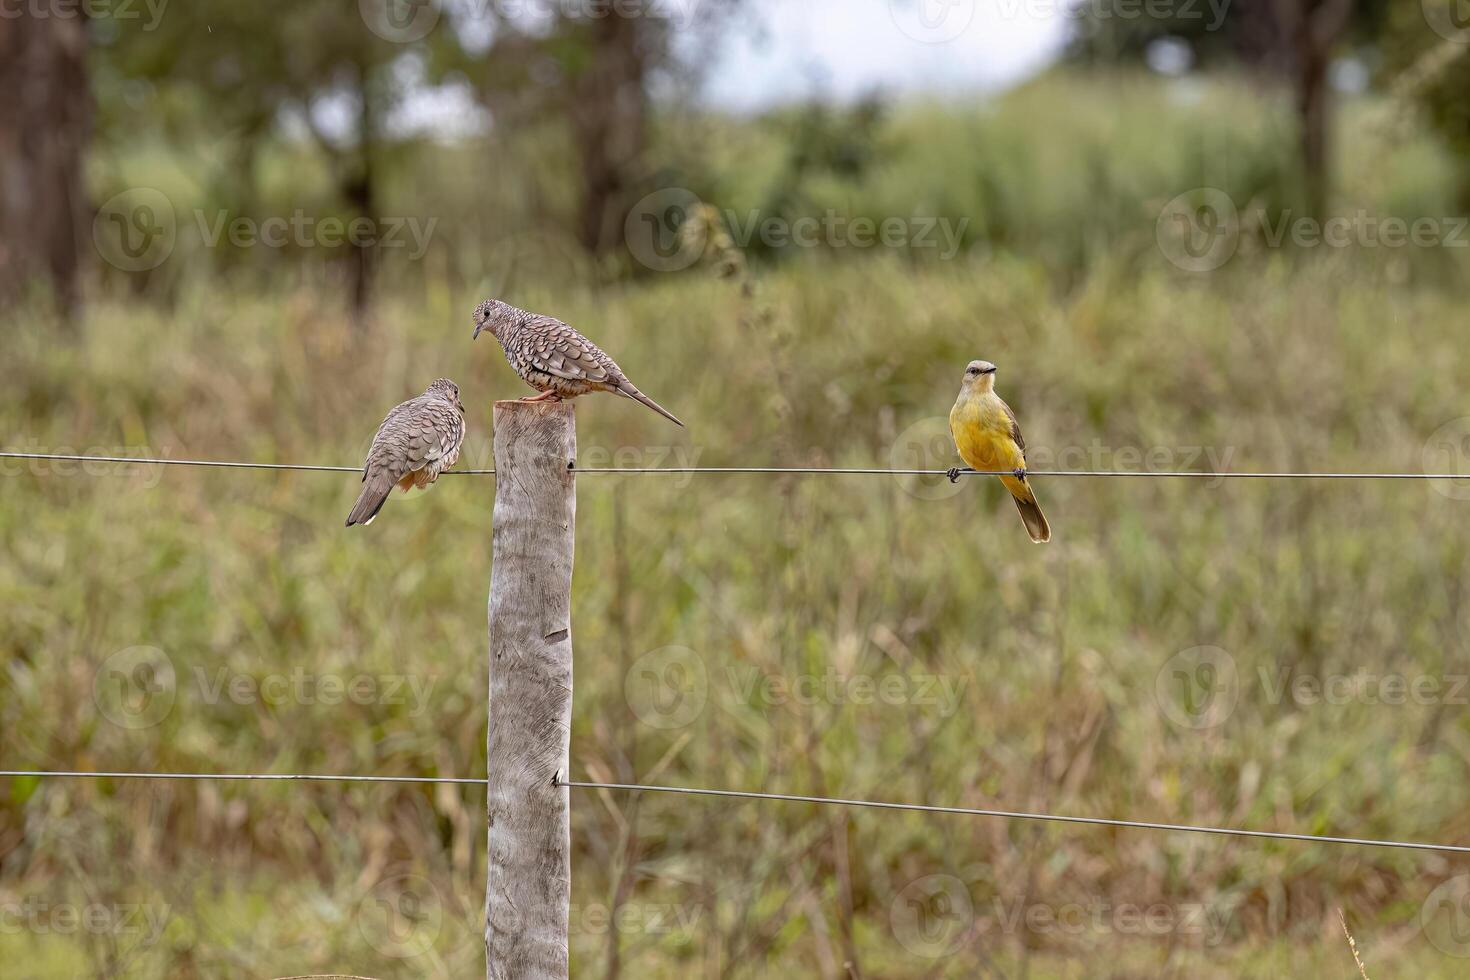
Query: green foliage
x=1344 y=359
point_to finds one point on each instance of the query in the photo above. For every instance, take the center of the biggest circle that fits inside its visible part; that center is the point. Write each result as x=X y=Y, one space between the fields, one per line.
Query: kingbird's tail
x=1031 y=514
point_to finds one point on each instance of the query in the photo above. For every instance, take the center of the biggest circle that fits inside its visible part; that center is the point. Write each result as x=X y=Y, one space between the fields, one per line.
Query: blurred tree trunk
x=609 y=122
x=1310 y=29
x=361 y=191
x=45 y=123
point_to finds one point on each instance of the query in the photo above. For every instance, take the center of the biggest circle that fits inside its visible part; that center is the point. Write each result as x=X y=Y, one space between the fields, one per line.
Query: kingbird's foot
x=953 y=474
x=1020 y=472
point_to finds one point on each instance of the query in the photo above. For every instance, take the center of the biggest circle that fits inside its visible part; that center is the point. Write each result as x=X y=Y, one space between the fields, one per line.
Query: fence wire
x=783 y=798
x=799 y=470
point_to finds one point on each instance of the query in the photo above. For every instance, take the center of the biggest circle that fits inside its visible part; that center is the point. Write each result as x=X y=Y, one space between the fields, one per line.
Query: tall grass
x=1017 y=677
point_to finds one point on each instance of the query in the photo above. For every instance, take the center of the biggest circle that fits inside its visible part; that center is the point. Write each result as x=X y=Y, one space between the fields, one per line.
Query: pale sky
x=785 y=51
x=843 y=48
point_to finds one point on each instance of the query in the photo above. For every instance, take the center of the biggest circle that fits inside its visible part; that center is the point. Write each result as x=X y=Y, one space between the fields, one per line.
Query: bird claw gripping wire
x=954 y=474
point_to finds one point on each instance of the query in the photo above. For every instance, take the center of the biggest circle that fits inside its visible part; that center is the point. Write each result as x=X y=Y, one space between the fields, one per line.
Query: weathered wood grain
x=529 y=888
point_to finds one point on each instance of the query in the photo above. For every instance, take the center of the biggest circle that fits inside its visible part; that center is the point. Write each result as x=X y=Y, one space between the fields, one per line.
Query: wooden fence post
x=528 y=892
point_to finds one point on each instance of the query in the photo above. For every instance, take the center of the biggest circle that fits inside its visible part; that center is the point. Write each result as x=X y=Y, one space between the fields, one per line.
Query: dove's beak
x=478 y=328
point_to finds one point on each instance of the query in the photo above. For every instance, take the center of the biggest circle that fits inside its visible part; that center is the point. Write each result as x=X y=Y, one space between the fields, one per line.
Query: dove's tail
x=375 y=491
x=627 y=390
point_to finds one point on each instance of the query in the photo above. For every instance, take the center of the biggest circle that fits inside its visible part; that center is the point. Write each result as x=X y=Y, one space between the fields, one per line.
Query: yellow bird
x=988 y=437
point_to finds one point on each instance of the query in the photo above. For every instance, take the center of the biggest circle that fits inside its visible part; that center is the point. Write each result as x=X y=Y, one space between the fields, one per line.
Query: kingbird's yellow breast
x=982 y=433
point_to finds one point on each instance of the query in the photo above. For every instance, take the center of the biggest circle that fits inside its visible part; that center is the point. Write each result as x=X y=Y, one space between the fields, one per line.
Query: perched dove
x=555 y=359
x=416 y=442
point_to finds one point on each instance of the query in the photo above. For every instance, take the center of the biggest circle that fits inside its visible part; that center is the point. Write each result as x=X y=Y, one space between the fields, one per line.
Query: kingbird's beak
x=988 y=371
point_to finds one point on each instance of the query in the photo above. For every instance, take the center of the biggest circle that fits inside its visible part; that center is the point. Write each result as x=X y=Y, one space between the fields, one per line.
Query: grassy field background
x=880 y=637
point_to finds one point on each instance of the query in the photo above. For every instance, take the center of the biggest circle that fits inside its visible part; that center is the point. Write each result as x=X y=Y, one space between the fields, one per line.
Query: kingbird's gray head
x=491 y=314
x=447 y=390
x=981 y=373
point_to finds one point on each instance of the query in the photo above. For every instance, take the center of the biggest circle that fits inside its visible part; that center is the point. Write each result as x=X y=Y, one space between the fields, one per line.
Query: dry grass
x=1057 y=660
